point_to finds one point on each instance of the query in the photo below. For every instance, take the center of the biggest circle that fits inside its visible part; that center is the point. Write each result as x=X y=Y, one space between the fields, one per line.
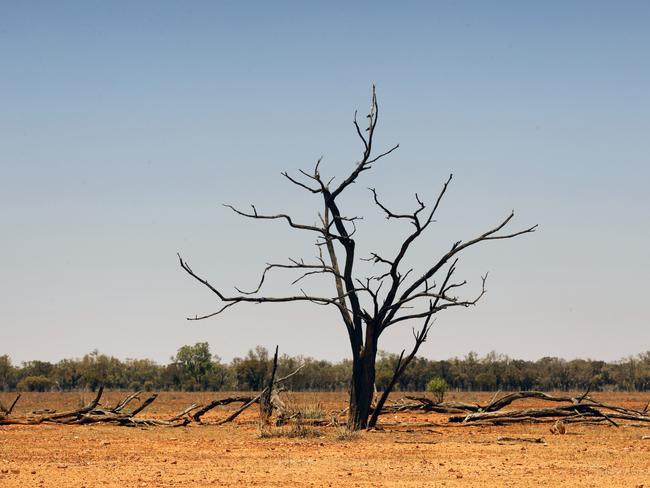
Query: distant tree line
x=195 y=368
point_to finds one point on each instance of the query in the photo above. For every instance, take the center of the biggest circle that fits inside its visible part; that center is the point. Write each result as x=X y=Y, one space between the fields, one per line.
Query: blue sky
x=124 y=126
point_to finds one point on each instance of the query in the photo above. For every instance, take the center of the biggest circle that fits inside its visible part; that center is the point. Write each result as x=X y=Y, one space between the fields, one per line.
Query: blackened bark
x=362 y=388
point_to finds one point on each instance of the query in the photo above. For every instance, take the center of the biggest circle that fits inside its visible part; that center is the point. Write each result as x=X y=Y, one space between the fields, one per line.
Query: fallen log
x=92 y=413
x=60 y=417
x=76 y=413
x=144 y=405
x=196 y=416
x=424 y=404
x=184 y=412
x=236 y=413
x=511 y=397
x=444 y=407
x=249 y=401
x=572 y=413
x=534 y=440
x=580 y=409
x=405 y=441
x=124 y=402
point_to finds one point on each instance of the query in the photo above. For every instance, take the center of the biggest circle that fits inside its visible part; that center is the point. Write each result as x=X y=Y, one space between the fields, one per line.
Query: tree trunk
x=362 y=388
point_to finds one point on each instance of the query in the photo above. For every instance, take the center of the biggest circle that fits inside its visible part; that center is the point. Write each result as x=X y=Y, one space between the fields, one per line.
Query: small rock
x=15 y=471
x=174 y=462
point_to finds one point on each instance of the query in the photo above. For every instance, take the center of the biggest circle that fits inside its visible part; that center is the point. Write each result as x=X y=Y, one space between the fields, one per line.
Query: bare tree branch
x=251 y=299
x=256 y=215
x=319 y=268
x=456 y=248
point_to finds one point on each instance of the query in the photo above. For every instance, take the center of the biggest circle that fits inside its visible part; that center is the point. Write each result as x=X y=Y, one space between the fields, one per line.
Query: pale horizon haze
x=124 y=127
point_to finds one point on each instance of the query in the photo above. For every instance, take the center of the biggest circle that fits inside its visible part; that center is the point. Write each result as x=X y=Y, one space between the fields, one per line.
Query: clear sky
x=125 y=125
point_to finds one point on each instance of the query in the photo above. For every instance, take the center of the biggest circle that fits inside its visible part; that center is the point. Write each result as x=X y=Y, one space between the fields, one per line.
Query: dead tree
x=368 y=306
x=266 y=408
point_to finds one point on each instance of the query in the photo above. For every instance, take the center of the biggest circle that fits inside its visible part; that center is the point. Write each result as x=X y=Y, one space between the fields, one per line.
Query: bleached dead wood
x=424 y=404
x=248 y=401
x=125 y=401
x=580 y=409
x=92 y=413
x=583 y=409
x=196 y=416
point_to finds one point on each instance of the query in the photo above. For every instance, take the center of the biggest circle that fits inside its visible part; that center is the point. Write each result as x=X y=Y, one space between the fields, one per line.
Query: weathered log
x=184 y=412
x=92 y=414
x=257 y=398
x=128 y=421
x=615 y=408
x=581 y=409
x=576 y=412
x=535 y=440
x=77 y=413
x=60 y=417
x=442 y=406
x=236 y=413
x=511 y=397
x=425 y=404
x=125 y=401
x=406 y=441
x=563 y=411
x=143 y=405
x=196 y=416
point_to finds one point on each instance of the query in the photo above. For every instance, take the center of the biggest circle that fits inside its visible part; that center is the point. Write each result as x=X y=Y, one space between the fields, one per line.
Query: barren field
x=423 y=451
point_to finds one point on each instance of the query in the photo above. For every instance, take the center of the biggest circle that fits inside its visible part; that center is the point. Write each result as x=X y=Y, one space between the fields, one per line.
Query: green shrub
x=438 y=386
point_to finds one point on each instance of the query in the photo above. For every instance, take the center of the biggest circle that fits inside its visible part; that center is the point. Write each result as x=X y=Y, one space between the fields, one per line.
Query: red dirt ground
x=431 y=453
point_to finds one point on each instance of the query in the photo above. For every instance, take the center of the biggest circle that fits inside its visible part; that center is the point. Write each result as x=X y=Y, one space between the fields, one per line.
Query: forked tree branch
x=400 y=367
x=459 y=246
x=316 y=269
x=230 y=301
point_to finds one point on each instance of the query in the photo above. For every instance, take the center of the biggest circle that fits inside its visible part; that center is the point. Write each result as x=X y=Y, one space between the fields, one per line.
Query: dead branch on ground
x=581 y=409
